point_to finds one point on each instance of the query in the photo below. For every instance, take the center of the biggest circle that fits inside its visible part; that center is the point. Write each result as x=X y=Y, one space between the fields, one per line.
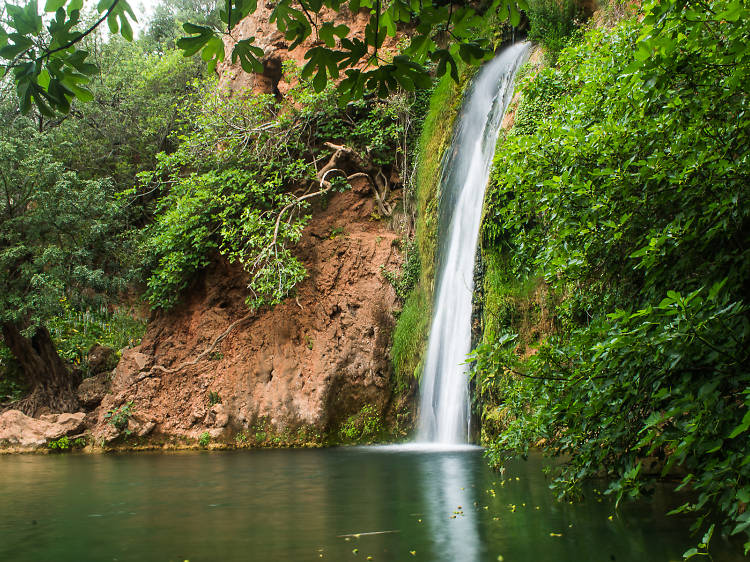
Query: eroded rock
x=92 y=390
x=16 y=428
x=310 y=361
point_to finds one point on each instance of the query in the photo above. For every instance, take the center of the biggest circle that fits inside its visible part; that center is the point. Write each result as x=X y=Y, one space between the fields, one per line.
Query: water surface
x=270 y=505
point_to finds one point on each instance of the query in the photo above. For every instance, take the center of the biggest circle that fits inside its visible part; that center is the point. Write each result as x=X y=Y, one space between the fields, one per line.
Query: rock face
x=18 y=429
x=92 y=390
x=101 y=358
x=276 y=48
x=310 y=361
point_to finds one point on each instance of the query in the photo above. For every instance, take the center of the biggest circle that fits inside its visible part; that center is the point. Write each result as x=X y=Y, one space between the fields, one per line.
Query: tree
x=49 y=69
x=57 y=242
x=165 y=25
x=132 y=114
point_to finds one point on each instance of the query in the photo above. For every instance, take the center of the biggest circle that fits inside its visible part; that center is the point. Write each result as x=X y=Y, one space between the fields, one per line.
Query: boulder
x=92 y=390
x=16 y=428
x=101 y=358
x=217 y=416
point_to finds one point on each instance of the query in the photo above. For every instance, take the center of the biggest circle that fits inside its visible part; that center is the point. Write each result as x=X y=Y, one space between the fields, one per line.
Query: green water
x=272 y=505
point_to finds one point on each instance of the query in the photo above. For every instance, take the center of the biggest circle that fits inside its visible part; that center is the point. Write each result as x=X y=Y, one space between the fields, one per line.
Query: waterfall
x=444 y=412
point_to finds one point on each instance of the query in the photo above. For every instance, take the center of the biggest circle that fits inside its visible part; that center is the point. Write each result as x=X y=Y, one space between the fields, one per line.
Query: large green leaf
x=248 y=54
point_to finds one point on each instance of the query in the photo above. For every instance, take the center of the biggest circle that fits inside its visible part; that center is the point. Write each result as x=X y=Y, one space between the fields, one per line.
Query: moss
x=410 y=337
x=524 y=306
x=412 y=329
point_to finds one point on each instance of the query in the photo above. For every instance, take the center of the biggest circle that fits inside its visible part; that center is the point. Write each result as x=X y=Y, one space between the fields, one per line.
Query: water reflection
x=444 y=505
x=449 y=495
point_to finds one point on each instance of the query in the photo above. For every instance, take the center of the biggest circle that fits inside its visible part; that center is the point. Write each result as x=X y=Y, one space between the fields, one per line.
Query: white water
x=444 y=415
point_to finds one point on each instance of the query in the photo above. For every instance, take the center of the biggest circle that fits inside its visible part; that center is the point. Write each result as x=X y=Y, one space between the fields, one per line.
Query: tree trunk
x=52 y=385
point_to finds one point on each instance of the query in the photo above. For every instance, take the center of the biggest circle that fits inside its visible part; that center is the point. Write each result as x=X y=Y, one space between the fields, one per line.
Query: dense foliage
x=552 y=23
x=621 y=195
x=132 y=114
x=50 y=69
x=58 y=232
x=66 y=238
x=243 y=177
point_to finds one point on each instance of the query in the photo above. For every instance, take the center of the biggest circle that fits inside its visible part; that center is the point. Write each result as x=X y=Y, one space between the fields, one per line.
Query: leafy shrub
x=119 y=417
x=65 y=443
x=204 y=439
x=406 y=280
x=552 y=23
x=228 y=189
x=75 y=331
x=365 y=425
x=624 y=197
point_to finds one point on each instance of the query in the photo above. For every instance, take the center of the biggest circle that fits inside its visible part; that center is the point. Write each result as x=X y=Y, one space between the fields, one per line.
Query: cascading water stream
x=444 y=405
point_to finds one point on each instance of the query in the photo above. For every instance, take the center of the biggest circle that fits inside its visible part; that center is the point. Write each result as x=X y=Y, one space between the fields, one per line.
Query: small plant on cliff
x=119 y=418
x=404 y=282
x=365 y=425
x=61 y=444
x=214 y=398
x=65 y=443
x=204 y=439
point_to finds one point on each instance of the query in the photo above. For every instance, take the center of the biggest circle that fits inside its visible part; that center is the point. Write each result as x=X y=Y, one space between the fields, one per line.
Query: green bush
x=119 y=417
x=75 y=331
x=65 y=443
x=625 y=196
x=204 y=439
x=232 y=185
x=552 y=24
x=364 y=426
x=405 y=281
